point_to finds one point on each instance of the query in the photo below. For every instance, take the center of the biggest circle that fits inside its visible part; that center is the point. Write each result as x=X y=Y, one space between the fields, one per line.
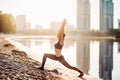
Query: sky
x=43 y=12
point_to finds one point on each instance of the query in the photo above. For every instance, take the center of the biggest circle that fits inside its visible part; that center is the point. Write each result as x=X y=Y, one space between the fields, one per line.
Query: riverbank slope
x=16 y=65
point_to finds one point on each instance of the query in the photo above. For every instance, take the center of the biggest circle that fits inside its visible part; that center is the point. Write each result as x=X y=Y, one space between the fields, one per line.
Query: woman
x=58 y=47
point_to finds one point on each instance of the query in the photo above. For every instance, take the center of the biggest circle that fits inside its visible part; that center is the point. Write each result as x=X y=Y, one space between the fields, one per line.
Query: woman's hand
x=65 y=21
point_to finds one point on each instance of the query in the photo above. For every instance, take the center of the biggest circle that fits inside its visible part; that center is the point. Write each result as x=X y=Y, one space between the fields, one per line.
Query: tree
x=7 y=23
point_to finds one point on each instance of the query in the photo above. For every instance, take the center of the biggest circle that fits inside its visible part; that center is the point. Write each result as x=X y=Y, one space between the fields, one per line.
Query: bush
x=7 y=23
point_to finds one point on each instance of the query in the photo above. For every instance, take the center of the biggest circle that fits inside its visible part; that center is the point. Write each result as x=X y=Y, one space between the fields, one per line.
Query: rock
x=8 y=45
x=54 y=71
x=3 y=76
x=21 y=53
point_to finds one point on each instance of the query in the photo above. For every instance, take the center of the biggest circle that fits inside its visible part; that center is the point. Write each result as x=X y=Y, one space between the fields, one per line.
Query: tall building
x=106 y=15
x=21 y=23
x=83 y=15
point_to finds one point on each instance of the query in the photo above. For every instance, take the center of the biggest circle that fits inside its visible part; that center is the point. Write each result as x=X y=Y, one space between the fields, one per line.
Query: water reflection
x=106 y=60
x=83 y=55
x=118 y=47
x=97 y=58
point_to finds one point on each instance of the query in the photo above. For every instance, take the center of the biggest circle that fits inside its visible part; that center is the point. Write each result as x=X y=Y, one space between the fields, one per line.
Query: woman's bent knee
x=45 y=55
x=48 y=55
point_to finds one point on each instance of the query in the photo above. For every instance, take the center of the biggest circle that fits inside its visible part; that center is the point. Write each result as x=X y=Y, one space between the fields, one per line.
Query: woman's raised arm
x=61 y=31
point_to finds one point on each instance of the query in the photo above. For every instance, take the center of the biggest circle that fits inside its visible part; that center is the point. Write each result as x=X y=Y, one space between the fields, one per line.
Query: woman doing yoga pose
x=58 y=47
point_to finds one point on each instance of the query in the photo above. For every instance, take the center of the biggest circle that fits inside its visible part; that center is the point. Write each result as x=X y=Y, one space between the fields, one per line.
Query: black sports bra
x=58 y=45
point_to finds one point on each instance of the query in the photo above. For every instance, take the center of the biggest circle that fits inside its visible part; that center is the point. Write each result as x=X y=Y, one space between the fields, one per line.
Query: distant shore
x=46 y=36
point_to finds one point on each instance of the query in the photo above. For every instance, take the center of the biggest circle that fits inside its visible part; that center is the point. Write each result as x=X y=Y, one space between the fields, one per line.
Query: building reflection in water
x=83 y=55
x=118 y=47
x=106 y=60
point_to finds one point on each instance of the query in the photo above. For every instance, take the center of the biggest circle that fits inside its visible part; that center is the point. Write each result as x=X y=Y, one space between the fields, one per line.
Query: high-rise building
x=21 y=22
x=106 y=15
x=83 y=15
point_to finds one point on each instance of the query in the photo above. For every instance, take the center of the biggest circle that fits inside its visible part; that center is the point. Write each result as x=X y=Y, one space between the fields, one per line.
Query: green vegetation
x=114 y=32
x=93 y=33
x=110 y=32
x=7 y=23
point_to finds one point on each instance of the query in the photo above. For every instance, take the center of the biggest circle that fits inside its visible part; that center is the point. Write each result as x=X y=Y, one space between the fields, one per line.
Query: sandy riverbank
x=17 y=65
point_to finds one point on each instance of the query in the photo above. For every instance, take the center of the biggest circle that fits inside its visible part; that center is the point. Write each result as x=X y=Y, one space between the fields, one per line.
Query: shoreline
x=17 y=65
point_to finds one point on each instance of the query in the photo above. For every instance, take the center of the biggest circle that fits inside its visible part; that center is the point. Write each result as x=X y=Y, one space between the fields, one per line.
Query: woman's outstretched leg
x=51 y=56
x=63 y=61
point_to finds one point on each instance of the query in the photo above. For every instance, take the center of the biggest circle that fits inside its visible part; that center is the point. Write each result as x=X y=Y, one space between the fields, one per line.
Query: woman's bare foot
x=81 y=75
x=41 y=68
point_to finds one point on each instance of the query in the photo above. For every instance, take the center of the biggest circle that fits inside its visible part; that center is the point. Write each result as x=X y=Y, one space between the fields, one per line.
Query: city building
x=83 y=15
x=28 y=26
x=39 y=27
x=21 y=23
x=106 y=15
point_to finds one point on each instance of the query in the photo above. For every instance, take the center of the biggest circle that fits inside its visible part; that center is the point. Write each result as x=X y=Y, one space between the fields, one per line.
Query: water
x=99 y=58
